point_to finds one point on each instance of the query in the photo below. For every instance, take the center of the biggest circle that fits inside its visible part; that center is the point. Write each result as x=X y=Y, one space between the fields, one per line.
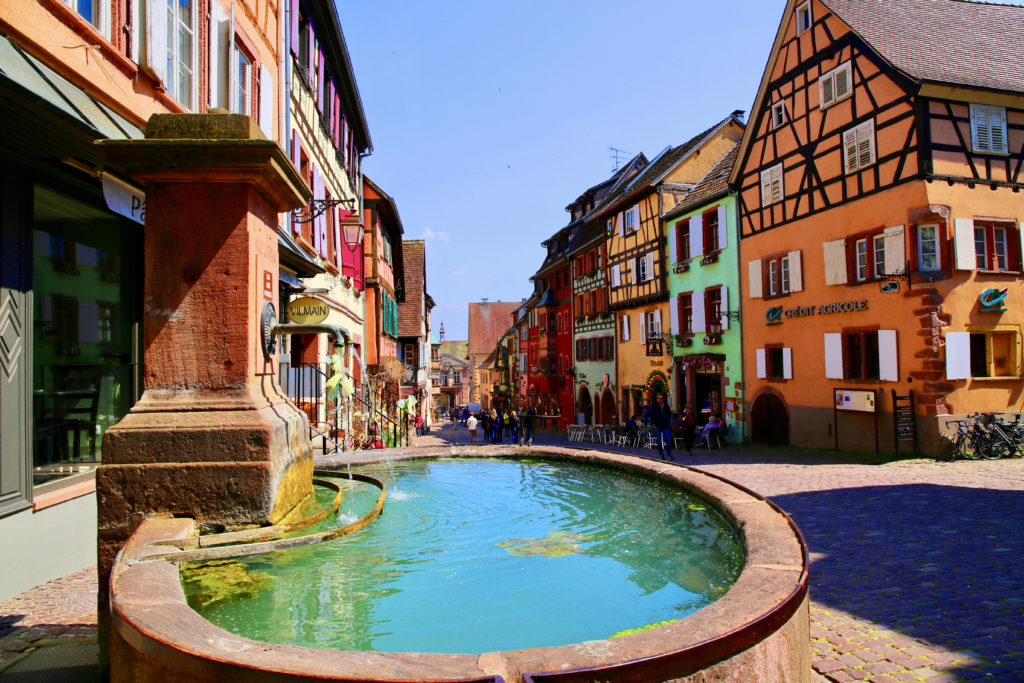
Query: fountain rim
x=770 y=590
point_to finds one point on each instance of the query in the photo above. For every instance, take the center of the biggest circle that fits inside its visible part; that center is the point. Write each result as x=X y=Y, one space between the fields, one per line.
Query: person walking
x=661 y=419
x=419 y=425
x=513 y=427
x=529 y=421
x=471 y=426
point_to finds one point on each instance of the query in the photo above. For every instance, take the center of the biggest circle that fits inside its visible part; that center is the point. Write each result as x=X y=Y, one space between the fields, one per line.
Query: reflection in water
x=485 y=555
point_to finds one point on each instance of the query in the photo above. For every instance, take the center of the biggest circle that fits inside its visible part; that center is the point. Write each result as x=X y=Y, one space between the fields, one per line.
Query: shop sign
x=124 y=199
x=774 y=315
x=993 y=300
x=307 y=311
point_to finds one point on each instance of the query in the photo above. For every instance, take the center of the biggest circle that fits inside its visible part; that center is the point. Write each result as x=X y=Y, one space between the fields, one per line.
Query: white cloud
x=440 y=235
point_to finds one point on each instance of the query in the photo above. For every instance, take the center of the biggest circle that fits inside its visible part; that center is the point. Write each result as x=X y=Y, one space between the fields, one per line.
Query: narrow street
x=915 y=573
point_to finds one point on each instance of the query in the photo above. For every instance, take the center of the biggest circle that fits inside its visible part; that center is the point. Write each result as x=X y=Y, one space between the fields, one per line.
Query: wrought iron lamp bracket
x=317 y=208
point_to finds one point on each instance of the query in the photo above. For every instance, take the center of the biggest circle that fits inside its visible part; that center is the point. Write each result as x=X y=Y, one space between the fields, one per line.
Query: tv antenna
x=618 y=156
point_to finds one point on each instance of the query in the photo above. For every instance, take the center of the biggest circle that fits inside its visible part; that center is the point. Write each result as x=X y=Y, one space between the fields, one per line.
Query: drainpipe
x=739 y=295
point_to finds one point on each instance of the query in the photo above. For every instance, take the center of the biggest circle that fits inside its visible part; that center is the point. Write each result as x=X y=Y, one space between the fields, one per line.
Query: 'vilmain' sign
x=307 y=311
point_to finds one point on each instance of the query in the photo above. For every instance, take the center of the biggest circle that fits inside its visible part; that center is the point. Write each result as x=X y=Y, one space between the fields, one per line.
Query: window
x=95 y=12
x=181 y=50
x=771 y=185
x=683 y=241
x=624 y=328
x=878 y=245
x=684 y=309
x=994 y=246
x=803 y=17
x=988 y=128
x=241 y=101
x=631 y=220
x=778 y=114
x=710 y=225
x=643 y=274
x=861 y=355
x=713 y=306
x=774 y=362
x=652 y=322
x=778 y=279
x=835 y=85
x=928 y=247
x=869 y=255
x=859 y=146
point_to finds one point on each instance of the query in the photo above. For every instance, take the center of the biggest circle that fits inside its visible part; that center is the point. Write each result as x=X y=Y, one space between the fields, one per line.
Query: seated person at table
x=714 y=422
x=631 y=427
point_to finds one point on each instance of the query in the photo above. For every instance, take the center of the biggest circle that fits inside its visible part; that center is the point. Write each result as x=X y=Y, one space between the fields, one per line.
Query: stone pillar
x=212 y=437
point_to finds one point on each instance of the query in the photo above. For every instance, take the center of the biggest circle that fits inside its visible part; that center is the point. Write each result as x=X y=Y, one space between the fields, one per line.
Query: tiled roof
x=459 y=349
x=714 y=182
x=951 y=41
x=662 y=163
x=488 y=322
x=410 y=312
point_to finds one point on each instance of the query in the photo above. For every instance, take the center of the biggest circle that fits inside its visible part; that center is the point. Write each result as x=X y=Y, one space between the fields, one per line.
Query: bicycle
x=969 y=439
x=1004 y=437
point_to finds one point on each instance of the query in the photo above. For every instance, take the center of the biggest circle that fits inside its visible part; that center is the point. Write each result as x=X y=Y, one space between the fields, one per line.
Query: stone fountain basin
x=758 y=630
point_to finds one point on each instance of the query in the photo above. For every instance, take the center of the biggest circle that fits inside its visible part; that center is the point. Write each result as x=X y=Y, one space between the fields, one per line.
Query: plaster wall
x=70 y=532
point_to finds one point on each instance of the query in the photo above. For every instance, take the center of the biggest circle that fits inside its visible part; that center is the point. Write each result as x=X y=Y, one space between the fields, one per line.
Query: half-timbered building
x=636 y=269
x=878 y=187
x=593 y=324
x=707 y=370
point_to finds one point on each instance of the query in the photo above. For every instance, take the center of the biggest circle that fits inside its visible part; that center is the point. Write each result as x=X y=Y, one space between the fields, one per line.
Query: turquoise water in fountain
x=476 y=556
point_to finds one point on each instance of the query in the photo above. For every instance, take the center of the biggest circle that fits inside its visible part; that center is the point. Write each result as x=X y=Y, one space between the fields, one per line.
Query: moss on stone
x=555 y=544
x=648 y=627
x=207 y=583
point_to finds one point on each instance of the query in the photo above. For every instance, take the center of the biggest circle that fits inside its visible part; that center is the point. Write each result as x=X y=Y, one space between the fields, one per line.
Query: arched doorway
x=769 y=421
x=584 y=406
x=608 y=407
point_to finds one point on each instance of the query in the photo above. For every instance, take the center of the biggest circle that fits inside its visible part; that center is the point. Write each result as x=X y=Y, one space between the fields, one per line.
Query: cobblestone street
x=915 y=564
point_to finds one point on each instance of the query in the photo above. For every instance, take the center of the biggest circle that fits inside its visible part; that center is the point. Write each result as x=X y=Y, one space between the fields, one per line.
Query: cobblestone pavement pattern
x=915 y=574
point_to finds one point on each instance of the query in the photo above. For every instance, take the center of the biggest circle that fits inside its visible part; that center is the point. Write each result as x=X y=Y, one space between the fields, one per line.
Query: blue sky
x=489 y=118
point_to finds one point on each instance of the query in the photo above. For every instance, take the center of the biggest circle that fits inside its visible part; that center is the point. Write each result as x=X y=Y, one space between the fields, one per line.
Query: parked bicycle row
x=987 y=435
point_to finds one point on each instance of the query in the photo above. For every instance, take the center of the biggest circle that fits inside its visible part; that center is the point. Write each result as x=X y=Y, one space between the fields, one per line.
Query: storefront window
x=82 y=338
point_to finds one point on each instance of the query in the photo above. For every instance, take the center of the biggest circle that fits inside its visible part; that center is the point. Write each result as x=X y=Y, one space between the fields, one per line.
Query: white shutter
x=888 y=364
x=635 y=278
x=762 y=363
x=673 y=316
x=850 y=149
x=835 y=262
x=725 y=307
x=625 y=327
x=696 y=236
x=723 y=227
x=958 y=355
x=266 y=102
x=895 y=250
x=842 y=80
x=219 y=50
x=616 y=276
x=232 y=63
x=796 y=273
x=833 y=355
x=657 y=320
x=754 y=277
x=622 y=223
x=650 y=265
x=156 y=39
x=787 y=363
x=697 y=304
x=643 y=328
x=997 y=127
x=963 y=238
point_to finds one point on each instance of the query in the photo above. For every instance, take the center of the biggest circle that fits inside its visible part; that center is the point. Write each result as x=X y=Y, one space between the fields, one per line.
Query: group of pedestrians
x=498 y=424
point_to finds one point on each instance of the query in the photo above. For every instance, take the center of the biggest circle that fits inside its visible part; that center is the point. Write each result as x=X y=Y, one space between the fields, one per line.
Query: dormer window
x=803 y=17
x=778 y=114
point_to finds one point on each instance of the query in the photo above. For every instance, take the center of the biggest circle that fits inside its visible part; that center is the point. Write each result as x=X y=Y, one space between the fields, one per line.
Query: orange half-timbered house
x=878 y=188
x=636 y=269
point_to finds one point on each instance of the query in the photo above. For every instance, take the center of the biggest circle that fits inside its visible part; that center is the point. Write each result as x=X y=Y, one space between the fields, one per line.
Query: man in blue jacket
x=661 y=419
